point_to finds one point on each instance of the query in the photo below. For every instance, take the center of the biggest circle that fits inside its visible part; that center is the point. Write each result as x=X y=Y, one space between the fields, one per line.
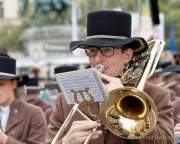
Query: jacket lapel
x=14 y=116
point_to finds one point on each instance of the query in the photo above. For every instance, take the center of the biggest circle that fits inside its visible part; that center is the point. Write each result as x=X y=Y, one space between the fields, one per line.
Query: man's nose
x=99 y=57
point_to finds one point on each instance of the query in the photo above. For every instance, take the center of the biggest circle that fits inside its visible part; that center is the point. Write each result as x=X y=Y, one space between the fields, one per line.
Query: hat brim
x=51 y=86
x=33 y=89
x=138 y=44
x=21 y=79
x=7 y=77
x=173 y=69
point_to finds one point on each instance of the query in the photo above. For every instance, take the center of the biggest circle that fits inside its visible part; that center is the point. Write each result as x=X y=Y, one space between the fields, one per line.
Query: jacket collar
x=15 y=116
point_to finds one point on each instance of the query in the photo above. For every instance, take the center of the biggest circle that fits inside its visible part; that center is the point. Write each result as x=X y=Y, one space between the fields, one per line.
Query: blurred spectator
x=156 y=78
x=33 y=93
x=20 y=122
x=167 y=56
x=65 y=68
x=53 y=88
x=166 y=76
x=53 y=91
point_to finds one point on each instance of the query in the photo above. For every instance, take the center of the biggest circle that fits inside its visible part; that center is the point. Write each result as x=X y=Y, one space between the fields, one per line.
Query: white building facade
x=9 y=12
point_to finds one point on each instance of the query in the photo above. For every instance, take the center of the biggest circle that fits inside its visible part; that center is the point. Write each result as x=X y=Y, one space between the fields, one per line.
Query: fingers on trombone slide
x=85 y=125
x=112 y=84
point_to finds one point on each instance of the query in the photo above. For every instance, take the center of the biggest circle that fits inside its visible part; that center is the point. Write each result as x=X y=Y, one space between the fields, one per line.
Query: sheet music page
x=82 y=83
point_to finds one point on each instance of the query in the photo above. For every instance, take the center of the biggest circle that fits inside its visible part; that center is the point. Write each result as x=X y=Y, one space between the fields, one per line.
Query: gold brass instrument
x=67 y=121
x=83 y=103
x=128 y=112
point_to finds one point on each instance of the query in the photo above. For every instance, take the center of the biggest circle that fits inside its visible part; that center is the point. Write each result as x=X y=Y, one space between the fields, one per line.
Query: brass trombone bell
x=128 y=113
x=131 y=104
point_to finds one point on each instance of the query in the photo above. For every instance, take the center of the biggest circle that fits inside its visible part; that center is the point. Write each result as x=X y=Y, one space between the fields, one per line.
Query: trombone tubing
x=93 y=131
x=66 y=122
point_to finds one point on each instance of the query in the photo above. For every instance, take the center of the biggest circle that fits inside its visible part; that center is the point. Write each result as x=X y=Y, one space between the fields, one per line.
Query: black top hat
x=52 y=85
x=22 y=79
x=33 y=89
x=65 y=68
x=32 y=85
x=172 y=69
x=33 y=81
x=157 y=72
x=110 y=28
x=164 y=64
x=8 y=69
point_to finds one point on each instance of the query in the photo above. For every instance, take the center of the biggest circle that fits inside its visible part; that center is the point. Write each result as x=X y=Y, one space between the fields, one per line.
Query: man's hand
x=3 y=137
x=112 y=82
x=79 y=132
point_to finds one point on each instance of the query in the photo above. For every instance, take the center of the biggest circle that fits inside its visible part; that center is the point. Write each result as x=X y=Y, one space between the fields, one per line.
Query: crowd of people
x=32 y=114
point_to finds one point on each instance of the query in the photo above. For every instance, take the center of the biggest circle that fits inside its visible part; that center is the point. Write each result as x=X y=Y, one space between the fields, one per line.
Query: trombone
x=128 y=112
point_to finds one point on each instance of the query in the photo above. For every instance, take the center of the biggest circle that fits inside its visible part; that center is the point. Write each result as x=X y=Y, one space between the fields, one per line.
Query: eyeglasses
x=105 y=51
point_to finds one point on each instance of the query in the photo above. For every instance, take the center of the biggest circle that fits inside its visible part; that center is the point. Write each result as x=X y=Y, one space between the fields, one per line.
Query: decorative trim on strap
x=7 y=74
x=106 y=36
x=142 y=46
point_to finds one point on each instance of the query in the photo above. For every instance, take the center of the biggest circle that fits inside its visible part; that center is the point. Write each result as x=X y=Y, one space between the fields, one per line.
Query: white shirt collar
x=4 y=109
x=4 y=112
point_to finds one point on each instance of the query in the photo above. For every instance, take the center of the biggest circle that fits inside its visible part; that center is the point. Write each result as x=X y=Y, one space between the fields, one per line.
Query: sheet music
x=86 y=81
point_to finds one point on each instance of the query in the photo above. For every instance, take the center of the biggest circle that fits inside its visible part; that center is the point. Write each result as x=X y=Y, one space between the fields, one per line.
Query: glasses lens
x=107 y=51
x=91 y=51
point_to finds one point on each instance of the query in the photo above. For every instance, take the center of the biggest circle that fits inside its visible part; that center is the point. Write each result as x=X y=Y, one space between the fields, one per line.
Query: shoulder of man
x=157 y=93
x=25 y=107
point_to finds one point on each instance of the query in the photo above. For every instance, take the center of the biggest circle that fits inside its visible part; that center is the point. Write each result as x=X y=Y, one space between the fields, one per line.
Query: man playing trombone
x=109 y=43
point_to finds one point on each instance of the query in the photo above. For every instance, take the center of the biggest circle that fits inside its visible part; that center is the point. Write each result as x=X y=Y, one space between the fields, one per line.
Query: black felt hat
x=22 y=79
x=164 y=64
x=110 y=28
x=8 y=69
x=33 y=89
x=32 y=85
x=158 y=72
x=64 y=68
x=51 y=85
x=33 y=81
x=173 y=69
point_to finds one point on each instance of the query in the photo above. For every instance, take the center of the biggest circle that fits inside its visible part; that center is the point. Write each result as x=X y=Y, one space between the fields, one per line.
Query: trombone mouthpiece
x=99 y=67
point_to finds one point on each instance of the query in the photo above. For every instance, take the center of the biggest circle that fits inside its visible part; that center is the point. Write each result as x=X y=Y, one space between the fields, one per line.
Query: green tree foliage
x=49 y=12
x=38 y=13
x=10 y=36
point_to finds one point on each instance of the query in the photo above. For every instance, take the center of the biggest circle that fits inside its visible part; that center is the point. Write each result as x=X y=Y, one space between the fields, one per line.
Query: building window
x=1 y=10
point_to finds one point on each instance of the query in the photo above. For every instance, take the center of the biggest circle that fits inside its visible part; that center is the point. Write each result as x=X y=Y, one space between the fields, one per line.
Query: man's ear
x=128 y=54
x=14 y=84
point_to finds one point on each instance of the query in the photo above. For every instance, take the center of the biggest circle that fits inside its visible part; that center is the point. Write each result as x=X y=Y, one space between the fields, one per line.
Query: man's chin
x=110 y=74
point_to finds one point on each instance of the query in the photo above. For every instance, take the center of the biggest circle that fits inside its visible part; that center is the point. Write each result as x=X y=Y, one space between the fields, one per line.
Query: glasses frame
x=99 y=49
